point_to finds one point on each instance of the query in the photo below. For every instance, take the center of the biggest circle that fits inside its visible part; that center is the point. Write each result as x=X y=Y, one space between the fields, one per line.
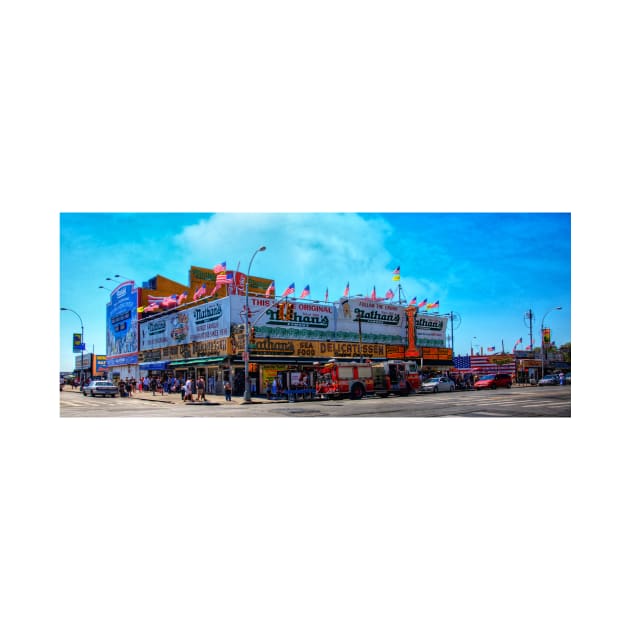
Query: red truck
x=354 y=380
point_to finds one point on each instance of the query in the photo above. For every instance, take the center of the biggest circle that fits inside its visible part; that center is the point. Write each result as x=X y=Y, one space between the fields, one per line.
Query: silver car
x=550 y=379
x=100 y=388
x=438 y=384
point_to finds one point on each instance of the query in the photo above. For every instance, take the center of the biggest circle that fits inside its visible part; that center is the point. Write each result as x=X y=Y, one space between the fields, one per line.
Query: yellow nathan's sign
x=313 y=349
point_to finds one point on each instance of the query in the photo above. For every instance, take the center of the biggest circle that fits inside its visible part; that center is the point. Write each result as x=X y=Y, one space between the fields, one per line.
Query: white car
x=101 y=388
x=438 y=384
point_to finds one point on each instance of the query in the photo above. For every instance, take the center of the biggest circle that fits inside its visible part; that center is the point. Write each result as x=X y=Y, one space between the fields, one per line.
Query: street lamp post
x=542 y=340
x=247 y=394
x=471 y=346
x=82 y=339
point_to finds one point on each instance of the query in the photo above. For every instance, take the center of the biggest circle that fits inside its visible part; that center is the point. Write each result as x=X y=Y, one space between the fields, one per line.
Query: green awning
x=199 y=361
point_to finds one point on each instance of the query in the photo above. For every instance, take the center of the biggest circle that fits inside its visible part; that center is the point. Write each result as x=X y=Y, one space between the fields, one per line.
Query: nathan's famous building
x=200 y=329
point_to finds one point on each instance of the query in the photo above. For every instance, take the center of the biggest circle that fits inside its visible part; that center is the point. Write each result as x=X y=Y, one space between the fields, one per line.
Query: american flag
x=226 y=277
x=481 y=365
x=219 y=268
x=462 y=363
x=306 y=291
x=200 y=292
x=389 y=295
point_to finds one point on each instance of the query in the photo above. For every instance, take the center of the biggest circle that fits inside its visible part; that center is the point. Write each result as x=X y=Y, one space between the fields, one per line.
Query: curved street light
x=63 y=308
x=471 y=346
x=247 y=394
x=542 y=340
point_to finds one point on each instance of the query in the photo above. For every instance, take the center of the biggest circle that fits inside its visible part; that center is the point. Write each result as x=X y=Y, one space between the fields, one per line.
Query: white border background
x=284 y=106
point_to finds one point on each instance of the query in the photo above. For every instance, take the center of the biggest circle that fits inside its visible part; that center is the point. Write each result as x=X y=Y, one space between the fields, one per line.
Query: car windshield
x=488 y=377
x=433 y=380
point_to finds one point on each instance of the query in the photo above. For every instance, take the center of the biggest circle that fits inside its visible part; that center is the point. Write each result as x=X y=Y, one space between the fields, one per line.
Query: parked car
x=100 y=388
x=438 y=384
x=550 y=379
x=492 y=381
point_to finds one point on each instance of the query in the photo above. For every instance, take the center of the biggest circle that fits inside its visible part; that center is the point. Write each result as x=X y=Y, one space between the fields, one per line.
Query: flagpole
x=247 y=394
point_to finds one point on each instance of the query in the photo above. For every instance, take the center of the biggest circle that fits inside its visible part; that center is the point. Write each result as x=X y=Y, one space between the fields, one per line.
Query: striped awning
x=197 y=361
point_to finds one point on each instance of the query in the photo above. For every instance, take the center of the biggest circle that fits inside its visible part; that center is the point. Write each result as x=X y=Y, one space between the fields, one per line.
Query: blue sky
x=489 y=268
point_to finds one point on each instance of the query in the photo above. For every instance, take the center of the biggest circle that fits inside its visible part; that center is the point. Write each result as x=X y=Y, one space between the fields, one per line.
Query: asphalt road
x=514 y=402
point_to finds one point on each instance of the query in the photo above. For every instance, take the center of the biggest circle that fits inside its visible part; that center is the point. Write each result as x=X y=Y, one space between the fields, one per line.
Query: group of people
x=189 y=388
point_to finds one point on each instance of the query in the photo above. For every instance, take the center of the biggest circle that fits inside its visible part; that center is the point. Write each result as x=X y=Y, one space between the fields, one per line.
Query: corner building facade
x=208 y=338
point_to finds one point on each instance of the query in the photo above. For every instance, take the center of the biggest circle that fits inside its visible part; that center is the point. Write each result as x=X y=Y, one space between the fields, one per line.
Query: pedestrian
x=268 y=390
x=153 y=385
x=128 y=387
x=211 y=385
x=188 y=389
x=274 y=388
x=227 y=388
x=201 y=389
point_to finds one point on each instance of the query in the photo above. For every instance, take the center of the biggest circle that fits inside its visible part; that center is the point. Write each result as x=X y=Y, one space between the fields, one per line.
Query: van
x=492 y=381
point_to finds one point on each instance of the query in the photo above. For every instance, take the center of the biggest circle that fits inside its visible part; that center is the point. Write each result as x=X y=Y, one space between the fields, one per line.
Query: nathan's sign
x=430 y=330
x=194 y=350
x=370 y=321
x=376 y=317
x=286 y=319
x=314 y=349
x=195 y=324
x=286 y=315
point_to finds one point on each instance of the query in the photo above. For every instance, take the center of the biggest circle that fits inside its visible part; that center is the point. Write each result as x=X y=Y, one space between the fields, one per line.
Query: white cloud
x=323 y=250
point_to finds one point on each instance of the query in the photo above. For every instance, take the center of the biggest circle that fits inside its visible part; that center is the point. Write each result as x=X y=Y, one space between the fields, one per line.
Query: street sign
x=245 y=356
x=77 y=343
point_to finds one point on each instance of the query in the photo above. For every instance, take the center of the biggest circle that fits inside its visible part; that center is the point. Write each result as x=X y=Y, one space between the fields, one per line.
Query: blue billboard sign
x=122 y=325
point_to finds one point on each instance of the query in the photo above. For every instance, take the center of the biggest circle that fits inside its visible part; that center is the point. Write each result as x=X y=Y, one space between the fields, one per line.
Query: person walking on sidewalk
x=188 y=389
x=201 y=389
x=227 y=388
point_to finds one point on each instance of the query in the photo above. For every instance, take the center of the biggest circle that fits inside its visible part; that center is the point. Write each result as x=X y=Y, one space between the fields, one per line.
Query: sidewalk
x=176 y=399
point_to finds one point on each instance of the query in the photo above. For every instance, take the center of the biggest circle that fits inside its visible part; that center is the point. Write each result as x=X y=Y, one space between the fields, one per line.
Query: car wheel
x=435 y=390
x=509 y=385
x=85 y=393
x=93 y=394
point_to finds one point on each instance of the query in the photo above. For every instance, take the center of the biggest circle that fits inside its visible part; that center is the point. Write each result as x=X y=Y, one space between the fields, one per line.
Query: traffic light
x=252 y=335
x=289 y=312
